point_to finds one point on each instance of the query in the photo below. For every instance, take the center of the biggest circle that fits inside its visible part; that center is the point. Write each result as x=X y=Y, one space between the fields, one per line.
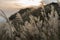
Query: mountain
x=36 y=12
x=42 y=23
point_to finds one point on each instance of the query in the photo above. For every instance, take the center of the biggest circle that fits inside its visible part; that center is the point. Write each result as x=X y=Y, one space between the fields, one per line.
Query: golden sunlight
x=28 y=2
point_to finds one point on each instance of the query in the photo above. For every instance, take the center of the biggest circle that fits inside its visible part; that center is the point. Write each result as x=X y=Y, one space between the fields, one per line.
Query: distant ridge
x=37 y=12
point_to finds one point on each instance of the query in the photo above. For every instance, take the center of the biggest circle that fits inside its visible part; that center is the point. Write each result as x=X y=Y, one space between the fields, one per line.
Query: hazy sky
x=12 y=3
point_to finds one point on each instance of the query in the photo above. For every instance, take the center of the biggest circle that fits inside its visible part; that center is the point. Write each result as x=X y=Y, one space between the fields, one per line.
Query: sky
x=17 y=3
x=7 y=4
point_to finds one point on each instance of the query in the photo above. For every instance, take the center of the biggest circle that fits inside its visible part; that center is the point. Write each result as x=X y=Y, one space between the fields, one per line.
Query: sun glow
x=28 y=2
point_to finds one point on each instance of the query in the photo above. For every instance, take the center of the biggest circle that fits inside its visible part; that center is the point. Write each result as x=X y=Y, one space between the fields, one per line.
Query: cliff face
x=37 y=24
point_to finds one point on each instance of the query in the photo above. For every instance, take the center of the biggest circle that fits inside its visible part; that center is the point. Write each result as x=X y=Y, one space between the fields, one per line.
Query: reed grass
x=47 y=30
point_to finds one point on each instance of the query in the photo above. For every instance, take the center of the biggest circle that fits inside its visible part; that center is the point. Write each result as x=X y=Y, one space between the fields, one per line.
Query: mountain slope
x=37 y=24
